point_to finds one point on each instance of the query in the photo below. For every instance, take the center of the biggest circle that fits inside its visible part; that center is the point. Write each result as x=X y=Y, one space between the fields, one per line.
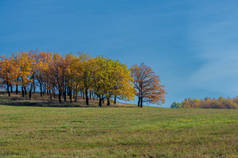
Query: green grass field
x=117 y=132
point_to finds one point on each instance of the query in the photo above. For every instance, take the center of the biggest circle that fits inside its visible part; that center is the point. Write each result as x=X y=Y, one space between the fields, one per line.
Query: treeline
x=219 y=103
x=68 y=76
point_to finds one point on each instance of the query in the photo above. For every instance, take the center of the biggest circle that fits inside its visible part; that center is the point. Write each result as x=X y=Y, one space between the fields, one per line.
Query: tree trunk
x=68 y=91
x=11 y=88
x=90 y=93
x=30 y=92
x=50 y=91
x=22 y=91
x=76 y=96
x=33 y=86
x=53 y=92
x=41 y=90
x=59 y=96
x=86 y=96
x=100 y=101
x=70 y=95
x=16 y=88
x=141 y=102
x=65 y=96
x=8 y=90
x=115 y=99
x=25 y=90
x=108 y=101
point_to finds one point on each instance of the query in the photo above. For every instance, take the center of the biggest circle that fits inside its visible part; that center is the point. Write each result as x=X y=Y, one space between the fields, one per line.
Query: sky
x=191 y=44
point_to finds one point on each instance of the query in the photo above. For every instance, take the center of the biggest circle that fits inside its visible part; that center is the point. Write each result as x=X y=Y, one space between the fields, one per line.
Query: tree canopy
x=68 y=76
x=147 y=85
x=218 y=103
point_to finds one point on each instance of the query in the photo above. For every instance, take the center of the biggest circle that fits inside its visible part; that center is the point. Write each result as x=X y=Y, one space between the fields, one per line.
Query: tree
x=121 y=85
x=25 y=70
x=33 y=58
x=15 y=58
x=147 y=85
x=100 y=77
x=8 y=73
x=73 y=74
x=175 y=105
x=110 y=78
x=86 y=74
x=66 y=76
x=57 y=75
x=44 y=60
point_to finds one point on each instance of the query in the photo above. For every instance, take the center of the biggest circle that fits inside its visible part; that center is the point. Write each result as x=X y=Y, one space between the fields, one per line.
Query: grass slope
x=117 y=132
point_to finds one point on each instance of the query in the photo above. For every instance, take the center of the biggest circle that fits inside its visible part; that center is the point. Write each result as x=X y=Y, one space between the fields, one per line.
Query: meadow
x=27 y=131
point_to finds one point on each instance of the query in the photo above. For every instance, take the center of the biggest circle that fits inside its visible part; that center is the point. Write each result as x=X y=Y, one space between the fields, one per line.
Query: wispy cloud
x=216 y=44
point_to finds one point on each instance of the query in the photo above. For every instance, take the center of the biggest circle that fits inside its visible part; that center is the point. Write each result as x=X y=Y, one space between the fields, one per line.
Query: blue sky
x=191 y=44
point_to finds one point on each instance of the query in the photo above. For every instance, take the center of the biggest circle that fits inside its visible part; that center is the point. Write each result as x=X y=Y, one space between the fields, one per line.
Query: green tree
x=176 y=105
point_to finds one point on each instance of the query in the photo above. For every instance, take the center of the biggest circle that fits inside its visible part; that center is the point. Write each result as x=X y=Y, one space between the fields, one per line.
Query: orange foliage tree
x=147 y=85
x=219 y=103
x=8 y=73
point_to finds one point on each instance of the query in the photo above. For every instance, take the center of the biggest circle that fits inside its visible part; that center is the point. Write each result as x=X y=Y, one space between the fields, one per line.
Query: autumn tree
x=86 y=68
x=57 y=75
x=76 y=76
x=33 y=58
x=110 y=78
x=99 y=73
x=8 y=73
x=15 y=59
x=147 y=85
x=25 y=70
x=221 y=103
x=44 y=59
x=73 y=74
x=121 y=85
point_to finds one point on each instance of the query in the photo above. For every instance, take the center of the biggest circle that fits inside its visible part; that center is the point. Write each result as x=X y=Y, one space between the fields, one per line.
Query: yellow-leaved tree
x=109 y=79
x=26 y=64
x=44 y=59
x=120 y=83
x=8 y=73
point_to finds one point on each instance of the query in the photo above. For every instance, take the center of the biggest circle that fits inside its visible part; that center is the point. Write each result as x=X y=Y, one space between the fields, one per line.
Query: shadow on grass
x=36 y=102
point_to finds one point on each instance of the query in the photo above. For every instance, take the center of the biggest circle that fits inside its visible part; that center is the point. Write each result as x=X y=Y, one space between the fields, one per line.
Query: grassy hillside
x=117 y=132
